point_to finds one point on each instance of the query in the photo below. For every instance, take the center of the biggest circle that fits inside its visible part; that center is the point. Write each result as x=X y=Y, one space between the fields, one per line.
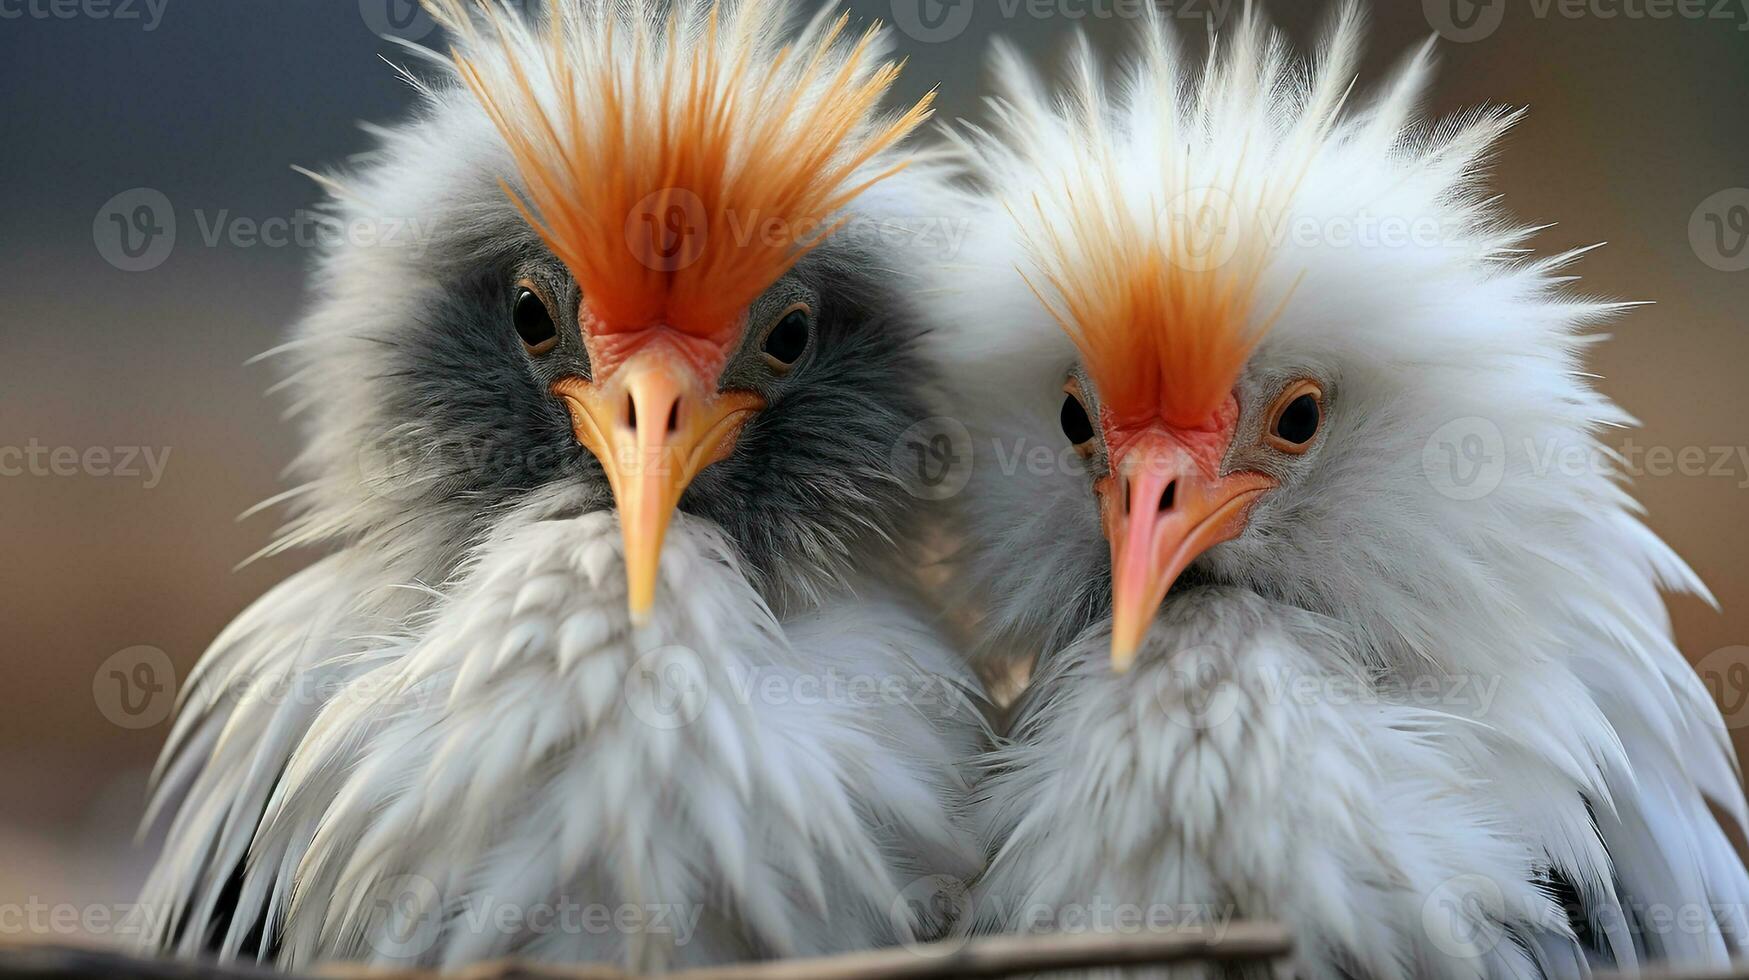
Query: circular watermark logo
x=1725 y=672
x=933 y=458
x=404 y=19
x=409 y=912
x=1193 y=691
x=1463 y=916
x=1203 y=225
x=932 y=21
x=667 y=230
x=391 y=466
x=135 y=230
x=1718 y=230
x=930 y=906
x=667 y=687
x=1464 y=21
x=421 y=461
x=136 y=687
x=1465 y=459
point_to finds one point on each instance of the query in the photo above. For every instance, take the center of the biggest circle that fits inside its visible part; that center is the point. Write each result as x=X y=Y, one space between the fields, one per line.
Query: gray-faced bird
x=1331 y=630
x=611 y=660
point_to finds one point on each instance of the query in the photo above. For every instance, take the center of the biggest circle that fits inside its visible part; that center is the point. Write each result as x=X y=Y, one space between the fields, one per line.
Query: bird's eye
x=1077 y=426
x=787 y=339
x=533 y=321
x=1295 y=417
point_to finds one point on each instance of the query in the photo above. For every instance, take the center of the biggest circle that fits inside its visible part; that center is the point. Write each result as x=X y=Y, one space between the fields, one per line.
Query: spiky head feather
x=1153 y=270
x=679 y=165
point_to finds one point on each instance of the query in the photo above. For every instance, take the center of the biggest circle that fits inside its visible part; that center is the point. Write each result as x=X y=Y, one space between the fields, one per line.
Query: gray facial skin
x=809 y=491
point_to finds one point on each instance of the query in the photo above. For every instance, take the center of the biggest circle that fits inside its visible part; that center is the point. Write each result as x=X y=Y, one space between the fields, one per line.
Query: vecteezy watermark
x=408 y=20
x=1725 y=672
x=929 y=906
x=1197 y=688
x=1464 y=20
x=1718 y=230
x=667 y=688
x=409 y=913
x=135 y=687
x=671 y=687
x=1464 y=459
x=933 y=458
x=1475 y=20
x=415 y=461
x=406 y=915
x=144 y=463
x=669 y=229
x=1102 y=914
x=1463 y=916
x=136 y=230
x=1466 y=916
x=403 y=19
x=39 y=919
x=936 y=237
x=936 y=457
x=147 y=13
x=938 y=21
x=309 y=229
x=1467 y=459
x=1207 y=227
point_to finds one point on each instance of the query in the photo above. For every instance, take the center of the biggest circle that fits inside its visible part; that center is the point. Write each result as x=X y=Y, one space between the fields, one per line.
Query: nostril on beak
x=631 y=413
x=674 y=416
x=1168 y=497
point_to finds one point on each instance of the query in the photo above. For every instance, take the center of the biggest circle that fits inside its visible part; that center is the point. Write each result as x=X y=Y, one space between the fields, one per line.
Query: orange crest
x=679 y=166
x=1152 y=209
x=1160 y=305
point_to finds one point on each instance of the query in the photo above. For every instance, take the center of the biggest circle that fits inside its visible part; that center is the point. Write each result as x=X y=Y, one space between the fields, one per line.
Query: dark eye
x=534 y=323
x=788 y=339
x=1297 y=416
x=1076 y=425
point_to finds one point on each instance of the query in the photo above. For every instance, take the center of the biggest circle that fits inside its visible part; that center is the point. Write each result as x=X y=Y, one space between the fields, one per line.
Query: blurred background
x=150 y=247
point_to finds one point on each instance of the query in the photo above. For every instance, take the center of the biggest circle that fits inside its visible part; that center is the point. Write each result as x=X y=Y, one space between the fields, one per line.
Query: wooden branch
x=1005 y=956
x=982 y=958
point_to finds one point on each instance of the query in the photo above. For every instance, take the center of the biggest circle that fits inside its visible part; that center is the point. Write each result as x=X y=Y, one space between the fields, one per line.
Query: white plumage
x=1428 y=695
x=523 y=747
x=453 y=739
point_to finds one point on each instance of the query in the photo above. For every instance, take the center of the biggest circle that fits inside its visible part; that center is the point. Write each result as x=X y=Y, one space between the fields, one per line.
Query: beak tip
x=1122 y=655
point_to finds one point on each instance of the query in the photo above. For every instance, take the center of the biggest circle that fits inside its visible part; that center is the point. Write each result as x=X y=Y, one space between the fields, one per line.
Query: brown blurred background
x=1634 y=123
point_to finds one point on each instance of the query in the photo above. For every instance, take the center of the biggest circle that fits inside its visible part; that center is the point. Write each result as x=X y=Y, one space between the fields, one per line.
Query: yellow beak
x=1161 y=511
x=654 y=423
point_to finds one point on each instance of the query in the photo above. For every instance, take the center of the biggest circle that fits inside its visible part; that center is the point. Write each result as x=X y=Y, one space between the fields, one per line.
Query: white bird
x=519 y=711
x=1389 y=667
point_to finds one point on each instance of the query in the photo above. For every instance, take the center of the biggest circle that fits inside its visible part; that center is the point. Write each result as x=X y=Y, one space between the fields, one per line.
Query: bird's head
x=631 y=221
x=1251 y=303
x=1182 y=433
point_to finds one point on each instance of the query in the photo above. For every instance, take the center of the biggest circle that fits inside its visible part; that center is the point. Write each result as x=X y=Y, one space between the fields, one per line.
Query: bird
x=616 y=655
x=1263 y=389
